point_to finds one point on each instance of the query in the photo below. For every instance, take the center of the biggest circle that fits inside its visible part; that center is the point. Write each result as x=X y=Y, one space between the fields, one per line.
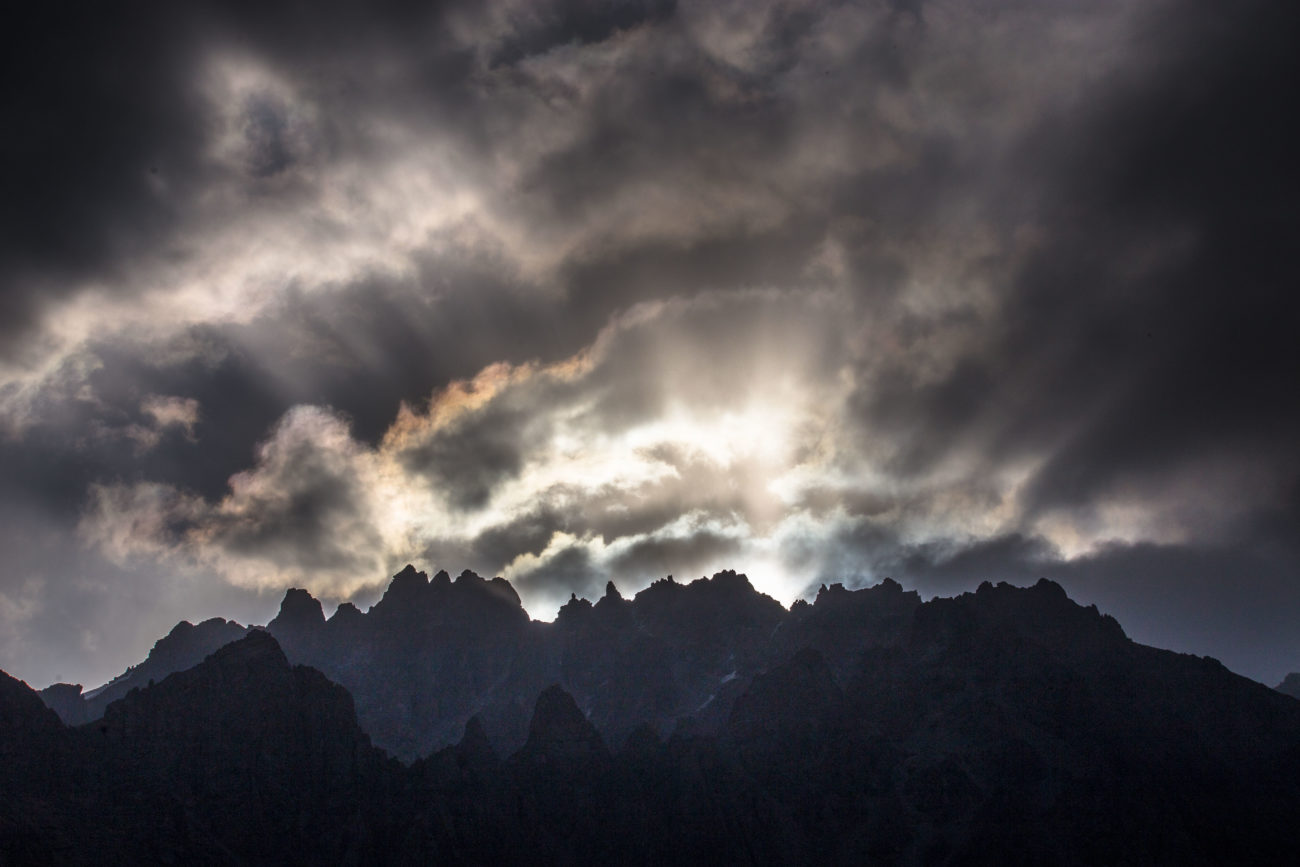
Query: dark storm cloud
x=953 y=292
x=568 y=570
x=108 y=141
x=268 y=136
x=364 y=348
x=609 y=280
x=528 y=533
x=644 y=514
x=1149 y=331
x=306 y=500
x=467 y=461
x=236 y=399
x=612 y=515
x=652 y=558
x=98 y=105
x=673 y=357
x=1204 y=336
x=375 y=343
x=306 y=508
x=543 y=26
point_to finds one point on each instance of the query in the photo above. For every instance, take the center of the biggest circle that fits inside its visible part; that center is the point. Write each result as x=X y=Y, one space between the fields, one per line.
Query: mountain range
x=693 y=723
x=432 y=653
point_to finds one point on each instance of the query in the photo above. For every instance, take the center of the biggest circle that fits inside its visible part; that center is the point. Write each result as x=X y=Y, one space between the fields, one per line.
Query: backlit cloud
x=577 y=291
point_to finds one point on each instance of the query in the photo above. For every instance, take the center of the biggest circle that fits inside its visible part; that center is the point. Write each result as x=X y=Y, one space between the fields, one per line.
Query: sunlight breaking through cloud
x=817 y=291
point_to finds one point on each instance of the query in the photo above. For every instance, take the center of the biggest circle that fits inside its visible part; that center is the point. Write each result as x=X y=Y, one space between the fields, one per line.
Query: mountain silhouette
x=241 y=758
x=184 y=647
x=1007 y=725
x=433 y=653
x=560 y=734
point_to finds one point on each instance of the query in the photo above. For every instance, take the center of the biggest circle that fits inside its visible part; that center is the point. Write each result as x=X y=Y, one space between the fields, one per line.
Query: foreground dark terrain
x=695 y=723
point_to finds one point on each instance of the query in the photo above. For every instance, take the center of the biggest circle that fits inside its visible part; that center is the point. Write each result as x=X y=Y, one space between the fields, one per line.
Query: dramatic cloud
x=577 y=291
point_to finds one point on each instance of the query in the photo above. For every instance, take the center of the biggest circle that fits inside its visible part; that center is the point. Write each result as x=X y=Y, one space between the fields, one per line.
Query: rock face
x=1009 y=725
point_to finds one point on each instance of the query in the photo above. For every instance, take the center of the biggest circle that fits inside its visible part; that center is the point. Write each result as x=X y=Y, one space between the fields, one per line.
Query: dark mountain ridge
x=184 y=647
x=1008 y=725
x=431 y=654
x=434 y=653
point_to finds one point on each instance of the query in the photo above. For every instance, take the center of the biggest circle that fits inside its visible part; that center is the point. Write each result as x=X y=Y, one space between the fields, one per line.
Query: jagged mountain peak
x=838 y=594
x=345 y=613
x=612 y=610
x=505 y=591
x=726 y=582
x=433 y=653
x=183 y=647
x=256 y=649
x=411 y=591
x=728 y=579
x=22 y=711
x=185 y=635
x=475 y=747
x=726 y=587
x=560 y=732
x=1044 y=608
x=298 y=610
x=407 y=586
x=253 y=666
x=1042 y=614
x=574 y=611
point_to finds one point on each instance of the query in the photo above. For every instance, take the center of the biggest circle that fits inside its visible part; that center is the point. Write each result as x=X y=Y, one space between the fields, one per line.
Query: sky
x=293 y=294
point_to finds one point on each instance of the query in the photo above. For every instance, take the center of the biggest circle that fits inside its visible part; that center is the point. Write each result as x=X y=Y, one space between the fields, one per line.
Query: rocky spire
x=560 y=733
x=299 y=612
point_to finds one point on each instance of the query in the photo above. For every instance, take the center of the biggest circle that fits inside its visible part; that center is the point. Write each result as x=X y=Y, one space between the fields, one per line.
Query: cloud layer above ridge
x=570 y=291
